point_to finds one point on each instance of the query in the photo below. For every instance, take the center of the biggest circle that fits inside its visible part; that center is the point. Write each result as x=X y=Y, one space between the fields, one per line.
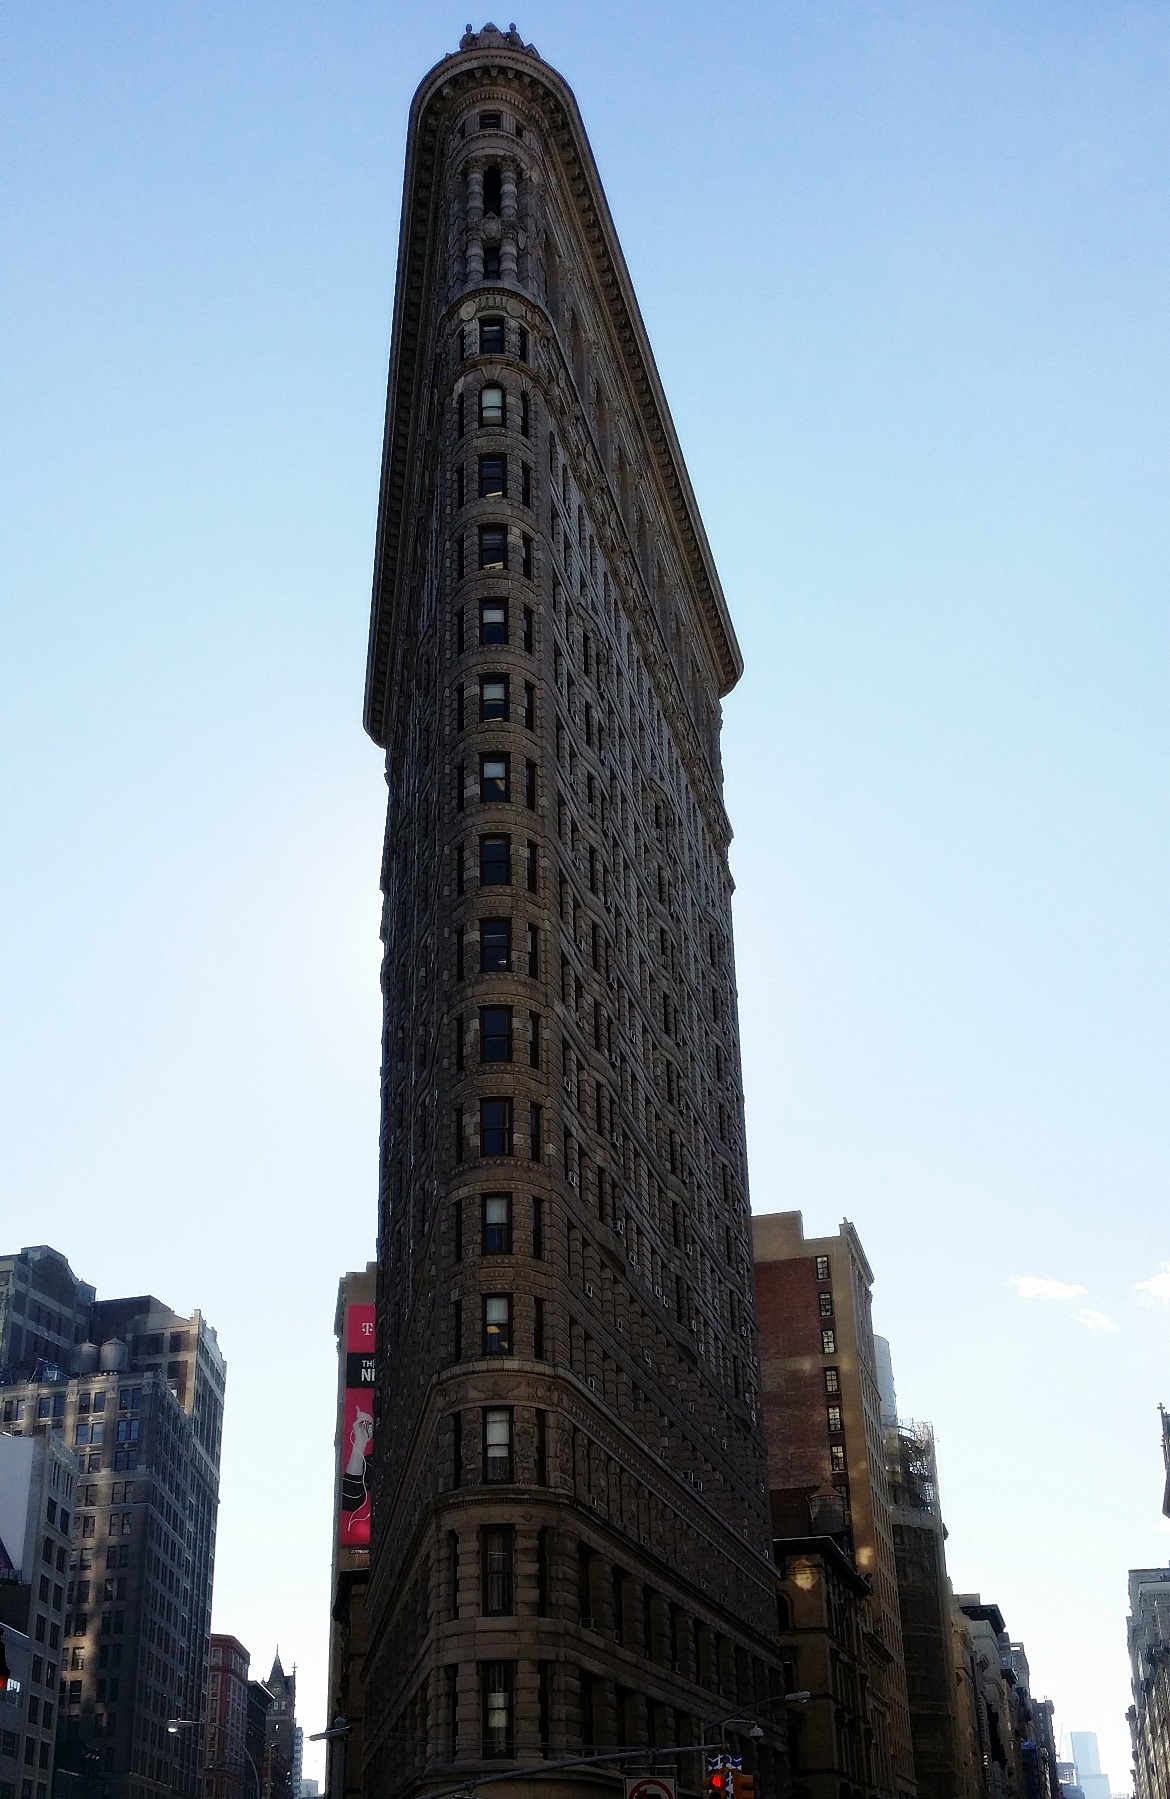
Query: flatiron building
x=570 y=1549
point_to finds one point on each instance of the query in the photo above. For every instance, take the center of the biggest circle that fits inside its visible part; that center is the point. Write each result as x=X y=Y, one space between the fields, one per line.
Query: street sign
x=649 y=1786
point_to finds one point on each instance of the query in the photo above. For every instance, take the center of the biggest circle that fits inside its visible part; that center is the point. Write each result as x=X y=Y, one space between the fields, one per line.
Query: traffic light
x=719 y=1783
x=745 y=1785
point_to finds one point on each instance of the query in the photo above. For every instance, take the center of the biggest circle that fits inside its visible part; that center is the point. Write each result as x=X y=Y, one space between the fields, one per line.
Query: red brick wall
x=791 y=1365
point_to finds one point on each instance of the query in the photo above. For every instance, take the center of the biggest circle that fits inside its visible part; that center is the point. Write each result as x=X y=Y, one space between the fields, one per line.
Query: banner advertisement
x=357 y=1428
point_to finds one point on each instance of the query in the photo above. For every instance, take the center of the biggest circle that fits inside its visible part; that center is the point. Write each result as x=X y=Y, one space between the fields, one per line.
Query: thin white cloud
x=1035 y=1286
x=1094 y=1321
x=1158 y=1285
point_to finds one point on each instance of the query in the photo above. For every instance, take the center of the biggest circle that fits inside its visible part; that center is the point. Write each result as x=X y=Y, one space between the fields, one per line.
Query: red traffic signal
x=719 y=1783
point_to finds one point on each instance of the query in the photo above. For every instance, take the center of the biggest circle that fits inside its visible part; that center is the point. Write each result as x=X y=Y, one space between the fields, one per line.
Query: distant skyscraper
x=37 y=1478
x=1087 y=1760
x=137 y=1401
x=571 y=1535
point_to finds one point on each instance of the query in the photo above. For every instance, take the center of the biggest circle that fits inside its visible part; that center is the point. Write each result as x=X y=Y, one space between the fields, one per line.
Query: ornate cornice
x=489 y=58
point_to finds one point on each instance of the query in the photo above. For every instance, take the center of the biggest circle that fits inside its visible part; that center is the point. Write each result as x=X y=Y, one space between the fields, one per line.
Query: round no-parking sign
x=649 y=1786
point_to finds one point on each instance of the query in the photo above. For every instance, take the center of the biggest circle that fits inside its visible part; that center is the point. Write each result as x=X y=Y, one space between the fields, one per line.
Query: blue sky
x=905 y=267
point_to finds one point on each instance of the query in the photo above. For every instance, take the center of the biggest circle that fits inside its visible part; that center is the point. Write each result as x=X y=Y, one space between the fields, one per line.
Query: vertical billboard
x=357 y=1428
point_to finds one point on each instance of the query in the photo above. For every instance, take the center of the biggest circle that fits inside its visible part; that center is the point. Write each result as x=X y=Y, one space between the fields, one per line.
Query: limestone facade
x=570 y=1518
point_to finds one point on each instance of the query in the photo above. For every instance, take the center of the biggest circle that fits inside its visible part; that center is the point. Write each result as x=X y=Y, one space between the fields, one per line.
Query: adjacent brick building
x=571 y=1530
x=228 y=1774
x=827 y=1472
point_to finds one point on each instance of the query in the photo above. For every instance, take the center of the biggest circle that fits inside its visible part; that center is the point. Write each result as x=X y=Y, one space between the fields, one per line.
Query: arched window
x=492 y=191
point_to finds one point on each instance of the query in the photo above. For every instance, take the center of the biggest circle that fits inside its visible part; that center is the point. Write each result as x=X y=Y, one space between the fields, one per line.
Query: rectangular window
x=822 y=1268
x=825 y=1301
x=526 y=557
x=459 y=1035
x=832 y=1381
x=837 y=1457
x=495 y=1033
x=498 y=1734
x=538 y=1230
x=497 y=1556
x=497 y=1224
x=493 y=547
x=534 y=1040
x=459 y=861
x=460 y=416
x=459 y=716
x=834 y=1418
x=456 y=1330
x=522 y=335
x=460 y=1143
x=497 y=1324
x=495 y=861
x=497 y=1443
x=534 y=1133
x=525 y=409
x=493 y=622
x=459 y=944
x=494 y=779
x=525 y=485
x=492 y=406
x=495 y=1127
x=530 y=786
x=491 y=330
x=493 y=698
x=828 y=1342
x=493 y=477
x=532 y=867
x=491 y=262
x=534 y=952
x=529 y=706
x=495 y=945
x=460 y=785
x=538 y=1330
x=528 y=631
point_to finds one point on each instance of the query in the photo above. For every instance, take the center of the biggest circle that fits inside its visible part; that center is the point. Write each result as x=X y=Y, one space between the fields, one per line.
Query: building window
x=538 y=1330
x=525 y=485
x=493 y=622
x=497 y=1443
x=494 y=779
x=493 y=547
x=525 y=412
x=493 y=408
x=491 y=262
x=495 y=1127
x=526 y=558
x=495 y=861
x=529 y=706
x=534 y=1133
x=532 y=867
x=822 y=1268
x=459 y=1134
x=534 y=952
x=497 y=1324
x=493 y=698
x=459 y=1037
x=834 y=1418
x=534 y=1040
x=495 y=1033
x=538 y=1230
x=828 y=1342
x=497 y=1570
x=522 y=333
x=491 y=330
x=825 y=1301
x=495 y=945
x=529 y=631
x=460 y=416
x=530 y=786
x=493 y=477
x=497 y=1224
x=832 y=1381
x=837 y=1457
x=498 y=1735
x=490 y=121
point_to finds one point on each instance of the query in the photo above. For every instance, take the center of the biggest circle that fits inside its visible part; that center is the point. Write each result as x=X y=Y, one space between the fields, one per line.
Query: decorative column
x=508 y=246
x=474 y=224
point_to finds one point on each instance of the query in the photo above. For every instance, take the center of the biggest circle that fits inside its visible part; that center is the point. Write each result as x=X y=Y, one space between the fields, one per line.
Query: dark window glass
x=493 y=478
x=534 y=1133
x=493 y=621
x=528 y=632
x=522 y=351
x=459 y=868
x=538 y=1330
x=495 y=1034
x=491 y=262
x=534 y=1040
x=525 y=485
x=525 y=411
x=530 y=786
x=494 y=778
x=534 y=951
x=495 y=861
x=526 y=558
x=529 y=706
x=493 y=698
x=497 y=1324
x=460 y=416
x=497 y=1570
x=495 y=1127
x=497 y=1224
x=493 y=406
x=495 y=945
x=532 y=868
x=538 y=1230
x=493 y=546
x=490 y=121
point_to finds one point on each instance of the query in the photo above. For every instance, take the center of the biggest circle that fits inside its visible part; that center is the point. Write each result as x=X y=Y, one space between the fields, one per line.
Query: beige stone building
x=571 y=1540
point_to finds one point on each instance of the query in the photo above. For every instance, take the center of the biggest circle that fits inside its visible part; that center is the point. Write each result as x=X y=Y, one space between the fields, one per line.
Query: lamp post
x=175 y=1726
x=337 y=1734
